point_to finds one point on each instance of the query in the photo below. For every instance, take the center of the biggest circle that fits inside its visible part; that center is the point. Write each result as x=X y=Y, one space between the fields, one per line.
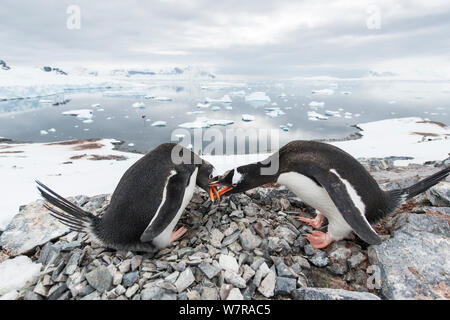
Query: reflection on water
x=341 y=103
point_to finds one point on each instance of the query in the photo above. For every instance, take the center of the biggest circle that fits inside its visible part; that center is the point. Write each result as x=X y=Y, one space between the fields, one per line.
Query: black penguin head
x=206 y=174
x=242 y=178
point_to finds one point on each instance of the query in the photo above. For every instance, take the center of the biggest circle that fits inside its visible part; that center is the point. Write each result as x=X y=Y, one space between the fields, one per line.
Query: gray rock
x=267 y=286
x=235 y=294
x=49 y=254
x=131 y=291
x=234 y=279
x=319 y=259
x=262 y=271
x=302 y=262
x=231 y=238
x=100 y=279
x=73 y=262
x=185 y=279
x=57 y=291
x=338 y=268
x=439 y=195
x=340 y=253
x=248 y=272
x=68 y=246
x=284 y=286
x=216 y=238
x=228 y=262
x=209 y=294
x=413 y=263
x=152 y=293
x=356 y=259
x=249 y=291
x=308 y=293
x=309 y=250
x=130 y=278
x=284 y=271
x=286 y=234
x=209 y=270
x=251 y=210
x=248 y=240
x=237 y=214
x=31 y=227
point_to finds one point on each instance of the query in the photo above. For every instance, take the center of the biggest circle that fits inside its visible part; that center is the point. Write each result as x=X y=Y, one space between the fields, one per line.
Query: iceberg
x=240 y=93
x=95 y=105
x=327 y=92
x=331 y=113
x=257 y=96
x=313 y=116
x=275 y=113
x=43 y=132
x=82 y=114
x=284 y=128
x=317 y=104
x=159 y=124
x=229 y=108
x=215 y=108
x=139 y=105
x=248 y=117
x=203 y=105
x=204 y=122
x=225 y=99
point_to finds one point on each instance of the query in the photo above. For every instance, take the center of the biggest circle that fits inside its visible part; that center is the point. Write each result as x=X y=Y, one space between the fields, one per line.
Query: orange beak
x=214 y=194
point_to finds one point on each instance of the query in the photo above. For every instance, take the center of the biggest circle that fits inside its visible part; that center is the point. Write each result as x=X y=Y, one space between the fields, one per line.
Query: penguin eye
x=211 y=176
x=234 y=184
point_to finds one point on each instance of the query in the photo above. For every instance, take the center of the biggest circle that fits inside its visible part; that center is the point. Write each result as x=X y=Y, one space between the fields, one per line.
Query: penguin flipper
x=344 y=197
x=168 y=209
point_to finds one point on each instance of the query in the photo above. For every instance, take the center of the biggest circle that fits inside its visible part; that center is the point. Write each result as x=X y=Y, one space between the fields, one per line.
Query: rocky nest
x=247 y=246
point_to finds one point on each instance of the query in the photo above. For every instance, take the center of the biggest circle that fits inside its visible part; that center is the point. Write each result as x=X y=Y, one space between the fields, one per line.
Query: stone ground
x=247 y=246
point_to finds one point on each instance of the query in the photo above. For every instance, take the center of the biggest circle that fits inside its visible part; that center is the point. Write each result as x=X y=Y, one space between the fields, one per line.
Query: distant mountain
x=4 y=66
x=187 y=72
x=383 y=74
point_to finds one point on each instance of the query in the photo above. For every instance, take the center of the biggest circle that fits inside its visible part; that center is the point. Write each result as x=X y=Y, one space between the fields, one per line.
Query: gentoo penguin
x=146 y=204
x=334 y=183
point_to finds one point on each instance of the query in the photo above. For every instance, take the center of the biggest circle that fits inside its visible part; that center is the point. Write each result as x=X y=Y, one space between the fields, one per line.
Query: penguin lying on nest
x=331 y=181
x=146 y=204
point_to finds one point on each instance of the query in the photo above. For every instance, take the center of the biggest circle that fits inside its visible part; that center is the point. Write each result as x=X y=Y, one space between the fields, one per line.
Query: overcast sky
x=252 y=38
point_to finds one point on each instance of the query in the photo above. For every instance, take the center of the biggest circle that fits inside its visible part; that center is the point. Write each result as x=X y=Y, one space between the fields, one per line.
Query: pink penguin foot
x=319 y=239
x=177 y=234
x=316 y=223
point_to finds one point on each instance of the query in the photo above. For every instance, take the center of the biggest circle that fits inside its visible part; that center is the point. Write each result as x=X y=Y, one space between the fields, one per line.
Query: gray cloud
x=250 y=38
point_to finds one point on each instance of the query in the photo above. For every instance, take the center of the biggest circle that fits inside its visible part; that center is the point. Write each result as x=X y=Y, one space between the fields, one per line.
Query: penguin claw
x=319 y=239
x=177 y=234
x=316 y=223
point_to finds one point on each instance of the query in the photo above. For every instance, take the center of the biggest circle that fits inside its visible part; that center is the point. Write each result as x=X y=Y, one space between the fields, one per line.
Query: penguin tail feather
x=70 y=215
x=398 y=197
x=426 y=183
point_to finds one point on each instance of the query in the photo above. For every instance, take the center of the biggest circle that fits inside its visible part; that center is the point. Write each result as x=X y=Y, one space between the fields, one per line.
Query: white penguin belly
x=163 y=239
x=318 y=198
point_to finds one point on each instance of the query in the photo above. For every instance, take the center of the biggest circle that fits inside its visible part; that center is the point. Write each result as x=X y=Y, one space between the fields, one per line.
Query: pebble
x=227 y=262
x=100 y=279
x=209 y=270
x=284 y=286
x=235 y=294
x=185 y=279
x=267 y=286
x=234 y=279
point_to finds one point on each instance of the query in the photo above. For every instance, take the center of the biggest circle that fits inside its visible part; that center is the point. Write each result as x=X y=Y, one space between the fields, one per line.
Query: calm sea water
x=355 y=102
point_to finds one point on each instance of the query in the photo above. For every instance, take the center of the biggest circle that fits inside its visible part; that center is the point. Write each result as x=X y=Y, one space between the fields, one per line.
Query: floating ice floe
x=88 y=121
x=45 y=101
x=204 y=122
x=159 y=124
x=139 y=105
x=131 y=144
x=100 y=109
x=248 y=117
x=313 y=116
x=43 y=132
x=282 y=95
x=95 y=105
x=156 y=98
x=203 y=105
x=327 y=92
x=239 y=93
x=332 y=113
x=284 y=127
x=229 y=108
x=317 y=104
x=275 y=113
x=195 y=112
x=225 y=99
x=81 y=114
x=215 y=108
x=347 y=93
x=257 y=96
x=52 y=130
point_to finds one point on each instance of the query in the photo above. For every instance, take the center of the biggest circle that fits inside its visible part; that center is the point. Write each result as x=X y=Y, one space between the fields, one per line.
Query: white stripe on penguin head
x=237 y=177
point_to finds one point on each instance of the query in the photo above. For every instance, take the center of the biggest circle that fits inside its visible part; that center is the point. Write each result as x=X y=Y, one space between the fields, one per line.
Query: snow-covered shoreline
x=93 y=166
